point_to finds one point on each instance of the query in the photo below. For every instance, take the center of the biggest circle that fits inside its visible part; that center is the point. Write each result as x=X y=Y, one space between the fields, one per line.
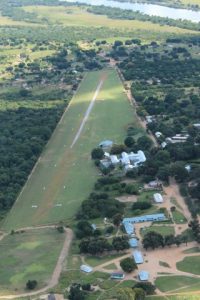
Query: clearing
x=64 y=176
x=23 y=257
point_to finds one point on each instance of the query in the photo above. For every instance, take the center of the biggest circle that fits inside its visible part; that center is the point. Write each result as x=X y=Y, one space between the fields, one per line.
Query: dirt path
x=87 y=113
x=172 y=191
x=58 y=268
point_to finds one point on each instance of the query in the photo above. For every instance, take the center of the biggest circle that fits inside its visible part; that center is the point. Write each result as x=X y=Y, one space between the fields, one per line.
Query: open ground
x=64 y=176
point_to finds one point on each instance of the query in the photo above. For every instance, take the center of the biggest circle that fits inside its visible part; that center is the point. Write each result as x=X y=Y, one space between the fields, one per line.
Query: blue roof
x=138 y=257
x=117 y=275
x=94 y=227
x=145 y=218
x=143 y=275
x=129 y=228
x=133 y=242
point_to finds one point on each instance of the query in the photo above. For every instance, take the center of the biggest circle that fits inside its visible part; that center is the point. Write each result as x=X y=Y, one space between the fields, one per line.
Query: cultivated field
x=77 y=16
x=23 y=257
x=65 y=176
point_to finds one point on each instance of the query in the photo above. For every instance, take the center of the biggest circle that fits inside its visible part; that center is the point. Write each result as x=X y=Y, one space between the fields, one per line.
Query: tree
x=97 y=153
x=129 y=141
x=179 y=172
x=153 y=240
x=31 y=284
x=148 y=287
x=117 y=219
x=76 y=293
x=120 y=243
x=144 y=142
x=128 y=264
x=84 y=229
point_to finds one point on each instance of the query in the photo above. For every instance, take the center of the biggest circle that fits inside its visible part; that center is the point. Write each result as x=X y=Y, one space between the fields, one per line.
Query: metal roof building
x=158 y=198
x=143 y=275
x=117 y=275
x=133 y=243
x=106 y=144
x=137 y=255
x=145 y=218
x=129 y=228
x=86 y=269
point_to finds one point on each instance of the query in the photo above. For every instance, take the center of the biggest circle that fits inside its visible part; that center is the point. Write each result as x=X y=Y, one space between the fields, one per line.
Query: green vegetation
x=190 y=264
x=23 y=257
x=178 y=217
x=163 y=230
x=175 y=283
x=192 y=250
x=164 y=264
x=55 y=170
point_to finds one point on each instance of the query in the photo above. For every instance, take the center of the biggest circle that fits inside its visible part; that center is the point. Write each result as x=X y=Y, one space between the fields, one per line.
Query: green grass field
x=176 y=283
x=164 y=230
x=178 y=217
x=190 y=264
x=77 y=16
x=64 y=175
x=23 y=257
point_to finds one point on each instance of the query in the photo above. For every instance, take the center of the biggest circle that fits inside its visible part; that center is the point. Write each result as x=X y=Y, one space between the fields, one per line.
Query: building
x=51 y=296
x=158 y=198
x=145 y=218
x=114 y=160
x=94 y=227
x=106 y=144
x=129 y=228
x=133 y=243
x=137 y=255
x=143 y=276
x=117 y=275
x=86 y=269
x=158 y=134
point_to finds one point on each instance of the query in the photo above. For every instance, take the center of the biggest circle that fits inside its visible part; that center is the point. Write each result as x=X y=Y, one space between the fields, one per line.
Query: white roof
x=128 y=167
x=86 y=269
x=138 y=257
x=158 y=198
x=143 y=275
x=114 y=159
x=163 y=144
x=158 y=134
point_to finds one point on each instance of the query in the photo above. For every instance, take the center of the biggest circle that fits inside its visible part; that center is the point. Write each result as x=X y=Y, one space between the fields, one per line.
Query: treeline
x=117 y=13
x=24 y=132
x=155 y=240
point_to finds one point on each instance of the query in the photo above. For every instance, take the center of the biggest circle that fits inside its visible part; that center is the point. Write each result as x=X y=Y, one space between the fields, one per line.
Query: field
x=65 y=176
x=177 y=283
x=73 y=16
x=178 y=217
x=164 y=230
x=190 y=264
x=23 y=257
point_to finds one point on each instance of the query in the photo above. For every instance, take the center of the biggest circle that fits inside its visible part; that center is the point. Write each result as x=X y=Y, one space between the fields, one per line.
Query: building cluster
x=128 y=161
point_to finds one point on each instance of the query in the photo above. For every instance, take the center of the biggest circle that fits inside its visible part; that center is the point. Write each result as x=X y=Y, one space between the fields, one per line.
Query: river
x=149 y=9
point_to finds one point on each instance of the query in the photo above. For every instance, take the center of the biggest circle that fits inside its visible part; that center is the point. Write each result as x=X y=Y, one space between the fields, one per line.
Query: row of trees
x=101 y=245
x=155 y=240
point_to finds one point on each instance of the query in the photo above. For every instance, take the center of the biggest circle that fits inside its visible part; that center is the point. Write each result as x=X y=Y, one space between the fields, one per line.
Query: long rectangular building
x=145 y=218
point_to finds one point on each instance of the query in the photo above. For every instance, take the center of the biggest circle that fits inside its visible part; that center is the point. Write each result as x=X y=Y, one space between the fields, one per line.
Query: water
x=149 y=9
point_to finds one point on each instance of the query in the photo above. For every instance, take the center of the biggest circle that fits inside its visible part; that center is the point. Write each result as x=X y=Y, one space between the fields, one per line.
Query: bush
x=132 y=189
x=128 y=265
x=97 y=153
x=31 y=284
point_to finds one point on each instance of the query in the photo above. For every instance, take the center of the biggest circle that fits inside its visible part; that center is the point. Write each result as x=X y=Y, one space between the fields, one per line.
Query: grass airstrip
x=64 y=176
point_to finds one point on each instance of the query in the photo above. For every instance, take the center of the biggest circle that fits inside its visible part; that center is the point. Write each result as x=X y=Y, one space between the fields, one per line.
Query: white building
x=158 y=198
